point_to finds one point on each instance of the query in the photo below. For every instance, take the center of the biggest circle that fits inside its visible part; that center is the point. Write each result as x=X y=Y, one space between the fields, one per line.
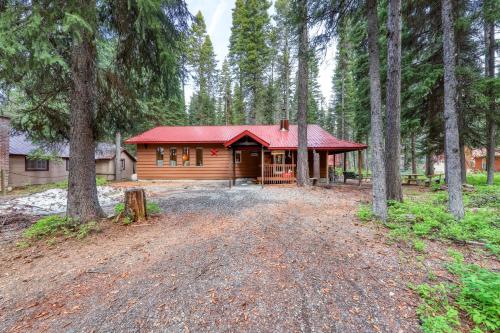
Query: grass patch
x=55 y=226
x=475 y=298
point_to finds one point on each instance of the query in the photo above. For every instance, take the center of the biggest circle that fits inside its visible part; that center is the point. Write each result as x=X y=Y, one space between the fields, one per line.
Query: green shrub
x=436 y=313
x=480 y=179
x=119 y=208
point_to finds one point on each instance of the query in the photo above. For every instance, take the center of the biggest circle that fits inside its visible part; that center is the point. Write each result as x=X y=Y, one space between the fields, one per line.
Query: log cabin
x=264 y=153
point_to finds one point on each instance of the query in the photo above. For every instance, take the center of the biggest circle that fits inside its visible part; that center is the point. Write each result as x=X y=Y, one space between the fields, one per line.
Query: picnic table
x=412 y=178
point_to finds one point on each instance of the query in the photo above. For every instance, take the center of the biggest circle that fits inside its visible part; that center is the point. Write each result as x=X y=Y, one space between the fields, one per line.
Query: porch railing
x=279 y=173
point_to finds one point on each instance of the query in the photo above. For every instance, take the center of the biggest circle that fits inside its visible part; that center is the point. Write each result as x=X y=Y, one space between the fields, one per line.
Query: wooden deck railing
x=279 y=173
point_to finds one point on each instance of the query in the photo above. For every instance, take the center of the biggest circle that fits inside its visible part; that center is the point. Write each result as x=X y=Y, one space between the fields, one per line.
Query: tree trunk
x=83 y=204
x=376 y=133
x=413 y=154
x=429 y=165
x=135 y=204
x=118 y=154
x=316 y=165
x=393 y=132
x=302 y=158
x=463 y=166
x=490 y=116
x=452 y=153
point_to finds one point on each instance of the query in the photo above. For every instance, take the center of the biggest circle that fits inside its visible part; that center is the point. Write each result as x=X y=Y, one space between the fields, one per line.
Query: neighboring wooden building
x=231 y=152
x=479 y=159
x=24 y=170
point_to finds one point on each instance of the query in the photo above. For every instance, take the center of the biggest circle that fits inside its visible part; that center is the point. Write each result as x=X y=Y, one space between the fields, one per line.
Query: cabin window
x=159 y=156
x=237 y=156
x=36 y=165
x=199 y=156
x=122 y=161
x=173 y=157
x=185 y=156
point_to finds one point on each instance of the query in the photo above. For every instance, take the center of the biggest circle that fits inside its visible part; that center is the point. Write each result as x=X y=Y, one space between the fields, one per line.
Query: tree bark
x=452 y=153
x=490 y=116
x=376 y=132
x=413 y=154
x=135 y=204
x=83 y=204
x=302 y=90
x=429 y=166
x=393 y=132
x=118 y=153
x=316 y=165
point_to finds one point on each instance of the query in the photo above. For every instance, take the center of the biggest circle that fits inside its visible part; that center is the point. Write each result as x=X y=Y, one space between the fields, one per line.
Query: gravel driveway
x=241 y=259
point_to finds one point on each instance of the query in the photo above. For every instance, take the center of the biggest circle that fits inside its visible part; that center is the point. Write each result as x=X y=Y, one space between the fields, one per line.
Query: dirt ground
x=219 y=259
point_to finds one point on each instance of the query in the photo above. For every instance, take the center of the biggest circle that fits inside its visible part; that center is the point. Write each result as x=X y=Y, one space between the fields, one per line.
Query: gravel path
x=241 y=259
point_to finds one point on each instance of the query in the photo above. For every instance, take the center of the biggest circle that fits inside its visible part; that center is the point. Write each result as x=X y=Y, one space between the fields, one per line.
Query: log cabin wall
x=217 y=163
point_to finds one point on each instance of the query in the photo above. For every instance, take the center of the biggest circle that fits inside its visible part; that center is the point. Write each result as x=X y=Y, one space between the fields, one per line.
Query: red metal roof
x=317 y=138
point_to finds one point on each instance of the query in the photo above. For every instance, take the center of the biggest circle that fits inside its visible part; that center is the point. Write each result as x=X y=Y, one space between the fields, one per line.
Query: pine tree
x=87 y=69
x=201 y=59
x=249 y=52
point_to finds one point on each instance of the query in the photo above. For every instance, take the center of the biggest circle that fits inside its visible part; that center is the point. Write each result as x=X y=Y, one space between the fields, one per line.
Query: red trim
x=249 y=134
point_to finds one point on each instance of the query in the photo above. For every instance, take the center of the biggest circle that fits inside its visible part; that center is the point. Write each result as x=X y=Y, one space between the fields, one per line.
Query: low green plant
x=365 y=213
x=476 y=294
x=101 y=181
x=419 y=245
x=56 y=225
x=85 y=229
x=127 y=220
x=119 y=208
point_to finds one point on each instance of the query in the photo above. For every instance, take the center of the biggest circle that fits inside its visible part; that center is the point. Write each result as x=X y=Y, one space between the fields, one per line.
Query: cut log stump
x=135 y=204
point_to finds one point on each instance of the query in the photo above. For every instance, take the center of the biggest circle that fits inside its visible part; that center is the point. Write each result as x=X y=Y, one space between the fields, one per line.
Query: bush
x=101 y=181
x=365 y=213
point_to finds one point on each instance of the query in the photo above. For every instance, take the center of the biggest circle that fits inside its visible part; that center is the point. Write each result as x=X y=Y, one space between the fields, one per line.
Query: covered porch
x=252 y=158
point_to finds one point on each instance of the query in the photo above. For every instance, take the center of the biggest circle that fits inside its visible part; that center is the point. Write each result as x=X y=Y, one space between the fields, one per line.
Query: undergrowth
x=474 y=300
x=427 y=216
x=54 y=226
x=31 y=189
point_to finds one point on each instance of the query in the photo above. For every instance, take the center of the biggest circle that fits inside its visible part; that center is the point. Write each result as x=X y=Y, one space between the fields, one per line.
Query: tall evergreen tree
x=74 y=89
x=376 y=135
x=450 y=114
x=249 y=52
x=201 y=58
x=393 y=125
x=302 y=92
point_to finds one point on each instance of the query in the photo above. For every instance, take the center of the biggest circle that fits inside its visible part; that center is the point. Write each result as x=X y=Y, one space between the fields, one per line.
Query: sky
x=217 y=14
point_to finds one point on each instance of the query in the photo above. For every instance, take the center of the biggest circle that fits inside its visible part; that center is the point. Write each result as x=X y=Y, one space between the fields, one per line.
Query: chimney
x=4 y=150
x=284 y=124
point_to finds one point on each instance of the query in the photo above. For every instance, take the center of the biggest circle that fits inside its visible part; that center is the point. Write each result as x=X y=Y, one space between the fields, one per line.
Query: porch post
x=262 y=166
x=334 y=166
x=360 y=164
x=234 y=166
x=327 y=170
x=345 y=166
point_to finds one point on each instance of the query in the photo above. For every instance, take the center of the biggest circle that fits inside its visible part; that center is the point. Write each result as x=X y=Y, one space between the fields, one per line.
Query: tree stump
x=135 y=204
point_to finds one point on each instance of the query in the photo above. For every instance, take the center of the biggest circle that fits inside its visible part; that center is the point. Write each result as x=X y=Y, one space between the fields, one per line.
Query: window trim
x=188 y=155
x=163 y=157
x=122 y=164
x=170 y=157
x=196 y=156
x=26 y=168
x=236 y=153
